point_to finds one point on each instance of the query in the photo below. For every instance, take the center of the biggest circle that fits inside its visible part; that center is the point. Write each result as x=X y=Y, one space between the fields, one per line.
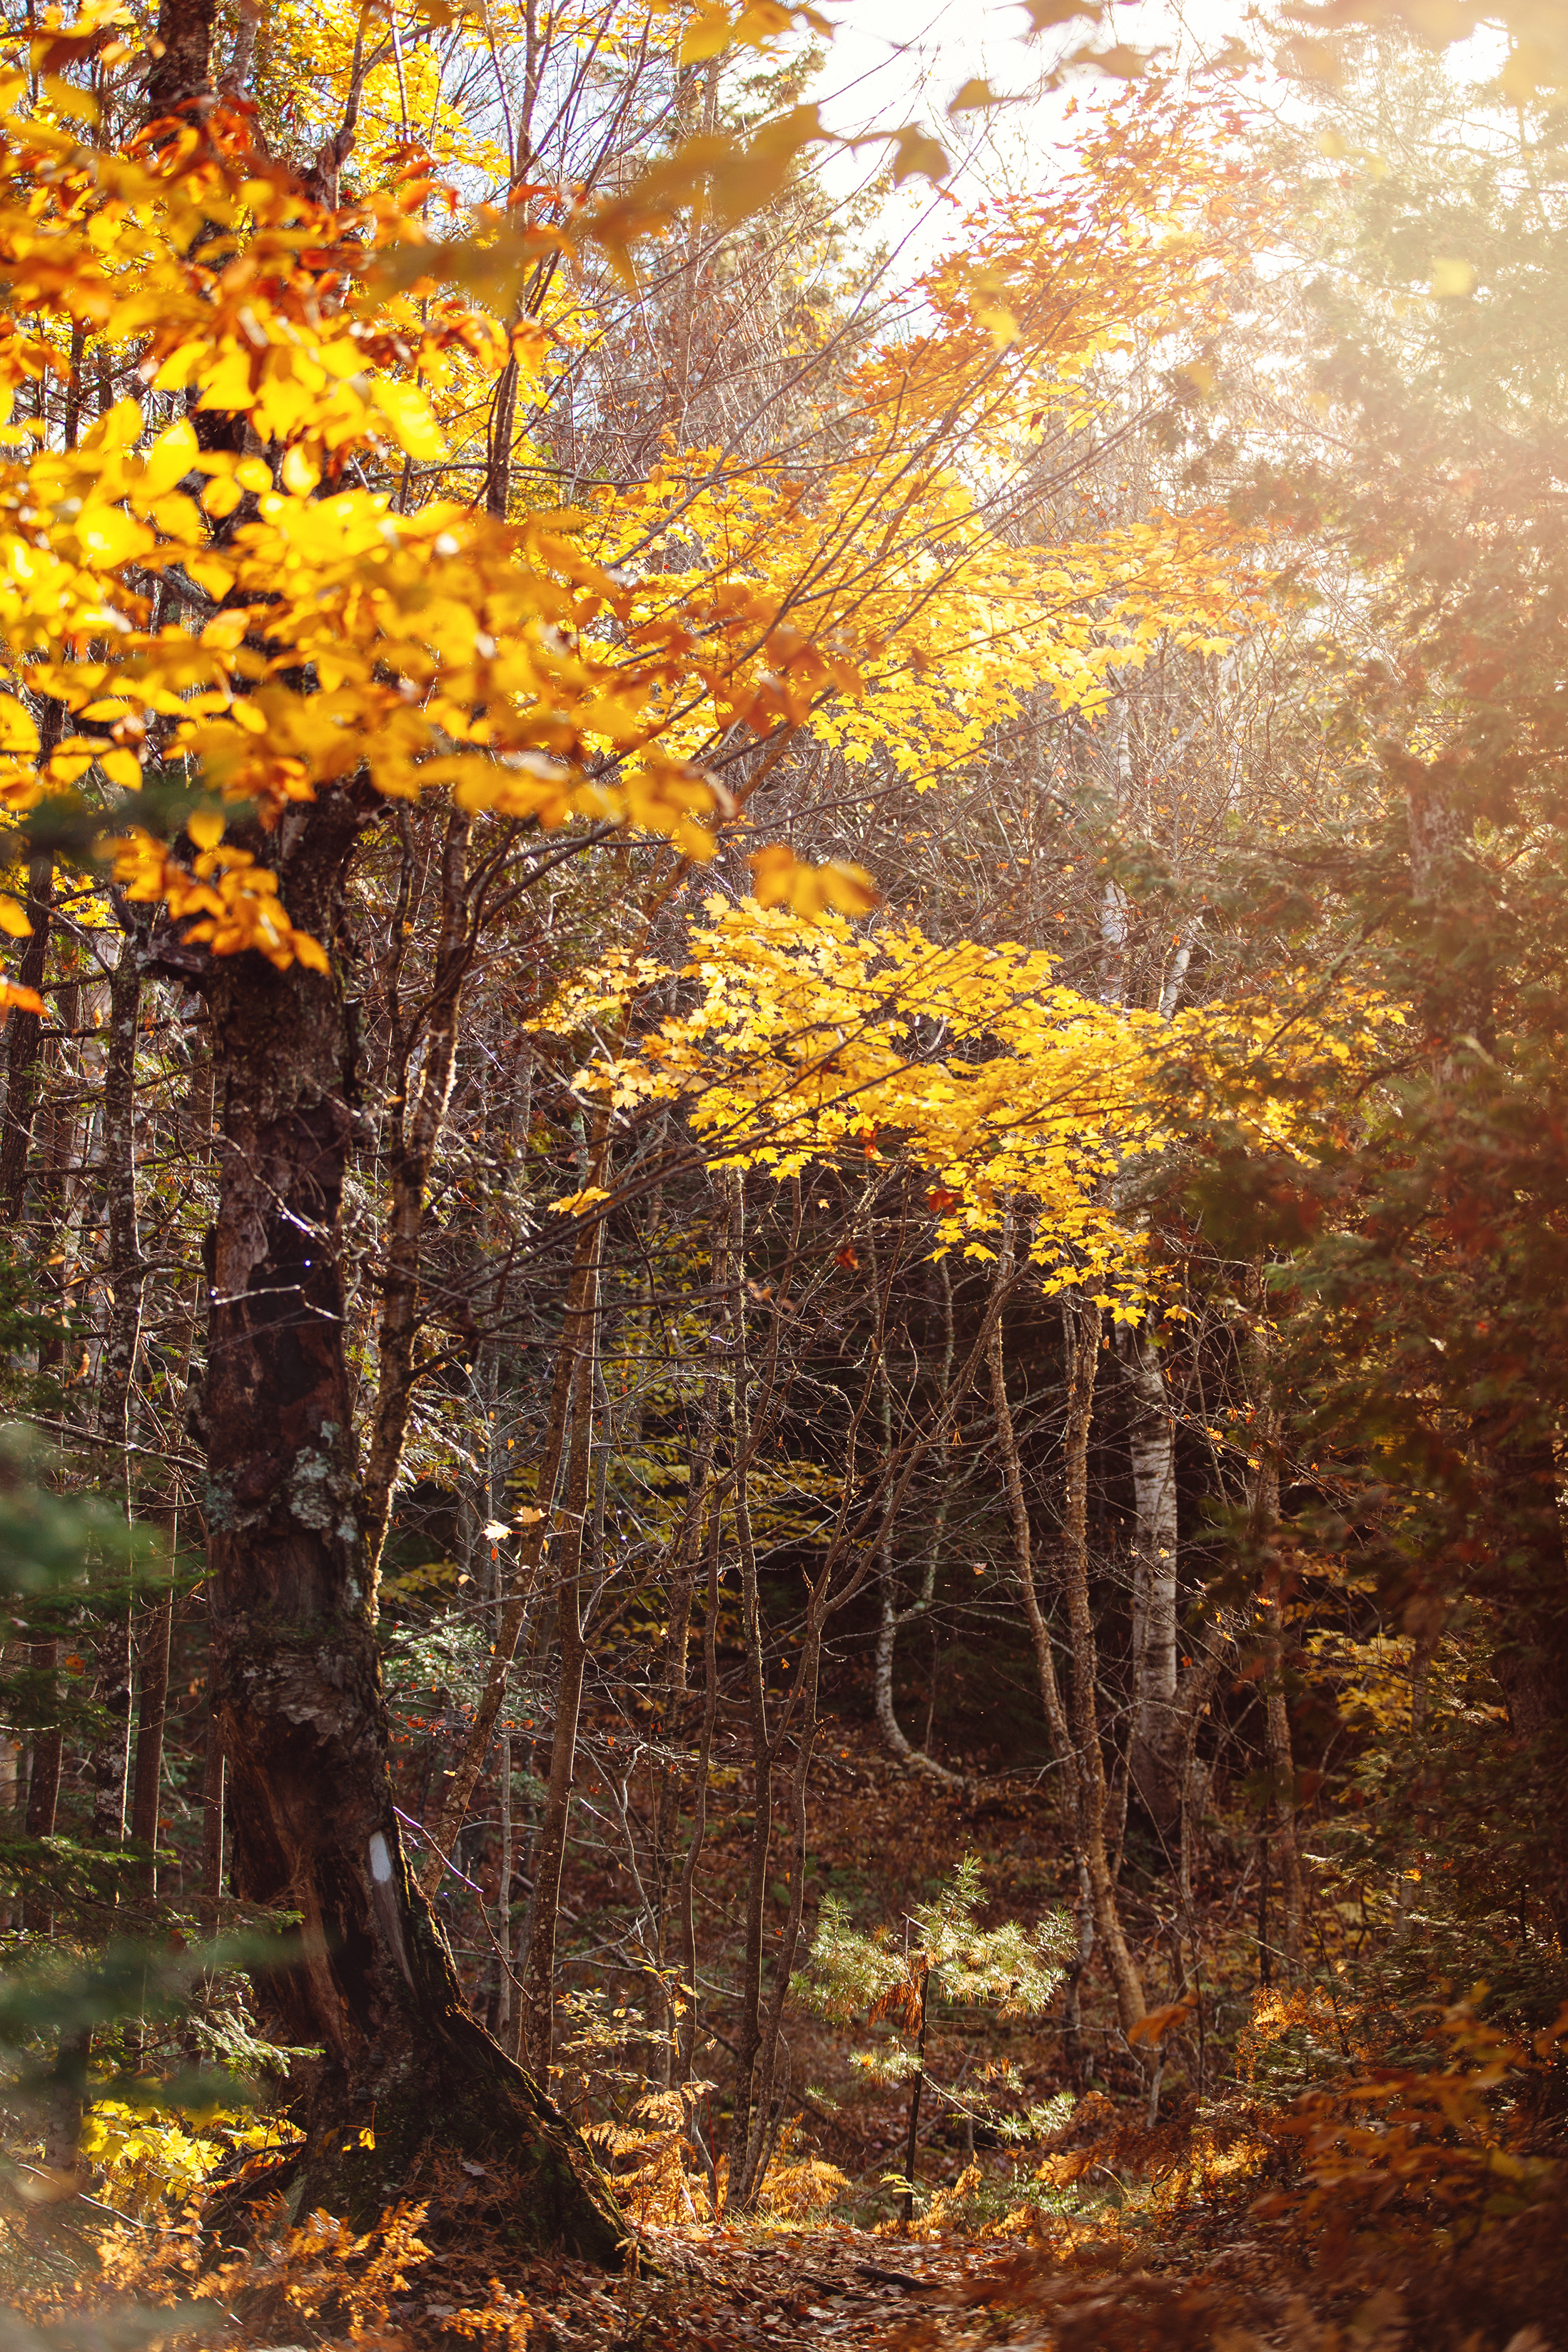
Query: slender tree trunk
x=1061 y=1741
x=684 y=1901
x=912 y=2143
x=296 y=1682
x=213 y=1844
x=24 y=1044
x=415 y=1132
x=123 y=1273
x=1072 y=2054
x=1084 y=1322
x=123 y=1267
x=536 y=1999
x=1280 y=1762
x=1283 y=1852
x=748 y=2031
x=890 y=1618
x=1154 y=1760
x=44 y=1788
x=155 y=1628
x=577 y=1340
x=501 y=2009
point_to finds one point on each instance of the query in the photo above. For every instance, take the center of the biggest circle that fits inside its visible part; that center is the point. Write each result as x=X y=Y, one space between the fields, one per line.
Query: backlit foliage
x=269 y=607
x=812 y=1039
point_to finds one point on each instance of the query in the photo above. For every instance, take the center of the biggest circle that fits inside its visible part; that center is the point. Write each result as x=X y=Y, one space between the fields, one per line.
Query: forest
x=783 y=1176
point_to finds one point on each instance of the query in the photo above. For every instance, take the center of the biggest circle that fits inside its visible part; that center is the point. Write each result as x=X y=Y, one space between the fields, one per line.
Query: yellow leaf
x=18 y=732
x=780 y=878
x=708 y=32
x=170 y=458
x=406 y=411
x=206 y=828
x=76 y=105
x=916 y=152
x=119 y=427
x=13 y=920
x=300 y=473
x=974 y=93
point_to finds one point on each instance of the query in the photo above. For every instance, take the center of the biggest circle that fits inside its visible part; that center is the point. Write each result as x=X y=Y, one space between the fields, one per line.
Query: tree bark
x=296 y=1685
x=182 y=72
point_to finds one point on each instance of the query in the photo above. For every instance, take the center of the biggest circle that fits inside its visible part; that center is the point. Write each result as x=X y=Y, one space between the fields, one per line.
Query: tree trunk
x=44 y=1788
x=536 y=1999
x=123 y=1267
x=414 y=1133
x=1156 y=1757
x=24 y=1041
x=577 y=1337
x=210 y=1909
x=297 y=1685
x=182 y=68
x=748 y=2029
x=155 y=1626
x=1280 y=1763
x=912 y=2142
x=892 y=1618
x=1056 y=1721
x=1084 y=1322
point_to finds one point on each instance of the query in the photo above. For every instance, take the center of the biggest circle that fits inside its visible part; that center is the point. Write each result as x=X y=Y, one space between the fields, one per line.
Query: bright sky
x=897 y=61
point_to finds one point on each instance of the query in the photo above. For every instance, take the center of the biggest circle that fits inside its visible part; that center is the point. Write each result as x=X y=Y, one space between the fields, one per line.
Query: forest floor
x=1174 y=2209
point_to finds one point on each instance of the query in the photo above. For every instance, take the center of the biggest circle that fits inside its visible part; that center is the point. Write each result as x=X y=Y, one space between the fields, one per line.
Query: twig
x=420 y=1831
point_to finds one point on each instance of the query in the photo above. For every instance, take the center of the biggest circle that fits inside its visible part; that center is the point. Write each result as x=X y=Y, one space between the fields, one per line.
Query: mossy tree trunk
x=297 y=1683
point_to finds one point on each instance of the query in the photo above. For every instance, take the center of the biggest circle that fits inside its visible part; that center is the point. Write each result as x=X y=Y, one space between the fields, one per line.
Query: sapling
x=937 y=1952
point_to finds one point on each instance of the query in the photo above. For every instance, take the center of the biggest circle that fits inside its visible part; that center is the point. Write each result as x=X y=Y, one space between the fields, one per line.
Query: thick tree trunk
x=180 y=73
x=296 y=1685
